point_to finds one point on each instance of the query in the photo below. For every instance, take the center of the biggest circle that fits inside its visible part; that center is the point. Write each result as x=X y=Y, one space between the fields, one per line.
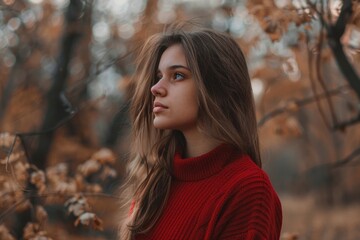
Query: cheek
x=190 y=107
x=190 y=95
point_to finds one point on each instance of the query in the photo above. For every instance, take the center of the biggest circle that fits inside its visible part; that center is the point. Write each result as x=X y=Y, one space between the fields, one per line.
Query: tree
x=65 y=82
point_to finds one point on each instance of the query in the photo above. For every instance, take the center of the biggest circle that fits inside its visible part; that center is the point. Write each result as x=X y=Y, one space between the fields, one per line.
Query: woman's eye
x=178 y=76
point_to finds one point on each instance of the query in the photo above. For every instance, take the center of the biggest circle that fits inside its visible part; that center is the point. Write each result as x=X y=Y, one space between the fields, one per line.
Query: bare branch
x=318 y=69
x=11 y=208
x=339 y=163
x=55 y=110
x=300 y=103
x=87 y=194
x=335 y=33
x=347 y=159
x=313 y=85
x=341 y=126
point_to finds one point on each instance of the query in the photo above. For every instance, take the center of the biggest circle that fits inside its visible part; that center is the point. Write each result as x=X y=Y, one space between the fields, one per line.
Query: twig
x=347 y=159
x=11 y=208
x=7 y=9
x=341 y=126
x=313 y=7
x=45 y=131
x=100 y=68
x=329 y=12
x=336 y=164
x=11 y=166
x=299 y=103
x=313 y=85
x=8 y=192
x=318 y=69
x=88 y=194
x=9 y=153
x=335 y=33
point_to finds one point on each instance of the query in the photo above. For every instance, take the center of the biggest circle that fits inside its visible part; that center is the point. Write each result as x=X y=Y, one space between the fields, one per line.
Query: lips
x=159 y=107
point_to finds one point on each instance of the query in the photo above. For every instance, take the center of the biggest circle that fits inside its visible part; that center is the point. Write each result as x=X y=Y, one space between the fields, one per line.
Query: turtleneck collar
x=203 y=166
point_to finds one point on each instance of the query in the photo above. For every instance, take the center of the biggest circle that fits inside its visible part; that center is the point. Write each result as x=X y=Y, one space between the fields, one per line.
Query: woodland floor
x=310 y=221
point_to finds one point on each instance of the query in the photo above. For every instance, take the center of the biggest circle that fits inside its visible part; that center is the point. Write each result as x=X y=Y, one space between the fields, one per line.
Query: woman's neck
x=198 y=143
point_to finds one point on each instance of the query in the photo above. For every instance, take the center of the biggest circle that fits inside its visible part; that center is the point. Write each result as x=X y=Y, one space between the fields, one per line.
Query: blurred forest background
x=65 y=71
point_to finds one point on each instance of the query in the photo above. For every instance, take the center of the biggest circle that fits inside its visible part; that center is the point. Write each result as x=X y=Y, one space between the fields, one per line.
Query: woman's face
x=175 y=105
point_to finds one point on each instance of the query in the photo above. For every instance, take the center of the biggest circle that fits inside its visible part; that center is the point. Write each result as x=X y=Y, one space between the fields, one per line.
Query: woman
x=196 y=169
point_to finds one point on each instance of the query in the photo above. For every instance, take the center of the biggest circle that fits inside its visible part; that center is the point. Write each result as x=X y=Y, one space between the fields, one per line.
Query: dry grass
x=303 y=219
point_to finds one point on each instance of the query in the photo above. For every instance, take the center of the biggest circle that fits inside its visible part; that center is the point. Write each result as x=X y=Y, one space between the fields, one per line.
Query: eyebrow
x=177 y=66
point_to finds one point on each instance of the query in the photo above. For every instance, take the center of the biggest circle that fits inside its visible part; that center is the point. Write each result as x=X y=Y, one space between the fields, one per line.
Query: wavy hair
x=226 y=113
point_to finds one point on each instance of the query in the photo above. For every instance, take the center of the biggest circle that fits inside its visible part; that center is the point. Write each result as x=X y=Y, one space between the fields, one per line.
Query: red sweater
x=219 y=195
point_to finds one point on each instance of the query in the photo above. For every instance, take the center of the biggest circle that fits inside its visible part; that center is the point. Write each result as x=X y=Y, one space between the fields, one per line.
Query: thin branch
x=313 y=85
x=11 y=166
x=10 y=152
x=11 y=208
x=8 y=192
x=339 y=163
x=347 y=159
x=88 y=194
x=335 y=33
x=341 y=126
x=100 y=68
x=8 y=9
x=300 y=103
x=55 y=108
x=314 y=8
x=21 y=137
x=10 y=86
x=84 y=81
x=51 y=129
x=330 y=19
x=58 y=125
x=50 y=193
x=318 y=69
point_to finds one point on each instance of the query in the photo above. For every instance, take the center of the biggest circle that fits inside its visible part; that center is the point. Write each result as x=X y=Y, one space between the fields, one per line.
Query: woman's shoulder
x=243 y=174
x=248 y=205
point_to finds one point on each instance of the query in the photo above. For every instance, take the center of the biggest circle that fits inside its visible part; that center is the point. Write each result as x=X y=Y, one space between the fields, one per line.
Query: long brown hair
x=226 y=113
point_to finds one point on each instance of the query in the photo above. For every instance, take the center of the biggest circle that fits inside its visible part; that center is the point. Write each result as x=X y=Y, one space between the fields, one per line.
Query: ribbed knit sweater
x=219 y=195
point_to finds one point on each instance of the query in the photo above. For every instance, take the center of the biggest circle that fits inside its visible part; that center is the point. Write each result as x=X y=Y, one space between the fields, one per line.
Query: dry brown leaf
x=65 y=187
x=77 y=205
x=24 y=206
x=6 y=139
x=5 y=234
x=41 y=214
x=292 y=106
x=32 y=231
x=108 y=172
x=104 y=155
x=290 y=236
x=38 y=179
x=21 y=171
x=89 y=167
x=90 y=219
x=259 y=11
x=57 y=172
x=12 y=158
x=93 y=188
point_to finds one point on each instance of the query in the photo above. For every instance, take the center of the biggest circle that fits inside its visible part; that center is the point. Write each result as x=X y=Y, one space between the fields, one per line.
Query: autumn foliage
x=65 y=83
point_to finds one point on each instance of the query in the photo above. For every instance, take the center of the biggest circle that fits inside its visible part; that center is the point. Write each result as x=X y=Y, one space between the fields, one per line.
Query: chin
x=161 y=125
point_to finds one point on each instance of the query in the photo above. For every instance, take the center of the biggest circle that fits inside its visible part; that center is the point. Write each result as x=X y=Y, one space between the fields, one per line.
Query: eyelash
x=176 y=74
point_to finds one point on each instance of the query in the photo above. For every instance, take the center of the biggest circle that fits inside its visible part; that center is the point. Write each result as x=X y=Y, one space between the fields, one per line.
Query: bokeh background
x=65 y=82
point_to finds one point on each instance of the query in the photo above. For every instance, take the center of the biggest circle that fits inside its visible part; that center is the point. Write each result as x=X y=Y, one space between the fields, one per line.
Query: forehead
x=173 y=55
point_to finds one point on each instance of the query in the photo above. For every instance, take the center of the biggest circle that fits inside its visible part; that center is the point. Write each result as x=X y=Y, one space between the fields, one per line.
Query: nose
x=158 y=90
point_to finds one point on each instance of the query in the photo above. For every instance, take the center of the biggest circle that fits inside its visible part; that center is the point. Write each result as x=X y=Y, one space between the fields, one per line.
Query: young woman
x=196 y=169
